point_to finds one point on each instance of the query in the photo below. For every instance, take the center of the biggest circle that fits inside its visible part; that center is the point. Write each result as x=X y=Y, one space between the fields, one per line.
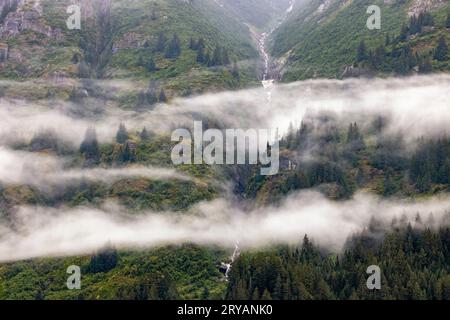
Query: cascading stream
x=267 y=78
x=267 y=82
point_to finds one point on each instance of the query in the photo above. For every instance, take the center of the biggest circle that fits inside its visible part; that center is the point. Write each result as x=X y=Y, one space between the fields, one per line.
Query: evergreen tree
x=201 y=58
x=362 y=52
x=122 y=134
x=128 y=154
x=104 y=261
x=162 y=96
x=144 y=135
x=217 y=57
x=388 y=40
x=404 y=33
x=447 y=22
x=151 y=97
x=225 y=57
x=441 y=51
x=140 y=61
x=235 y=71
x=192 y=44
x=425 y=65
x=151 y=66
x=161 y=43
x=173 y=50
x=89 y=147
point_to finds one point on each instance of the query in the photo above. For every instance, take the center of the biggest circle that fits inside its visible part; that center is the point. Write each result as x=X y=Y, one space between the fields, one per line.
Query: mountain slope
x=258 y=13
x=120 y=39
x=321 y=38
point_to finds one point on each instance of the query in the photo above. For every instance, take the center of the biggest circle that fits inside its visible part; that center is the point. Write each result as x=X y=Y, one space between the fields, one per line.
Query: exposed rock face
x=419 y=6
x=91 y=8
x=324 y=6
x=26 y=17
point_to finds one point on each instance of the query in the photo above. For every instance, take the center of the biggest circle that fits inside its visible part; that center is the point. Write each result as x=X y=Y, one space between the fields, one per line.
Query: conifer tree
x=441 y=50
x=144 y=135
x=173 y=49
x=122 y=134
x=162 y=96
x=161 y=43
x=151 y=66
x=89 y=147
x=362 y=52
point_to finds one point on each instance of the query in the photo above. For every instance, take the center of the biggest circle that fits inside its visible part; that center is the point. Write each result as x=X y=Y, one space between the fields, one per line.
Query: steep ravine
x=268 y=77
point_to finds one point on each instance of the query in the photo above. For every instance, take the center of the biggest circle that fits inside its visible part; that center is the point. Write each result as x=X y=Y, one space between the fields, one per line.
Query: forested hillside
x=321 y=39
x=92 y=122
x=189 y=46
x=415 y=264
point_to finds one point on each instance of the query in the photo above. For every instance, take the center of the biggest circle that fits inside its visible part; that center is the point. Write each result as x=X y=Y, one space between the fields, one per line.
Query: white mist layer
x=40 y=232
x=418 y=106
x=45 y=171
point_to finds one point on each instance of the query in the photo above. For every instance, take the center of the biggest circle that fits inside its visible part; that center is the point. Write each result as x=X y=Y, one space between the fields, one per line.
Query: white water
x=267 y=78
x=233 y=258
x=267 y=82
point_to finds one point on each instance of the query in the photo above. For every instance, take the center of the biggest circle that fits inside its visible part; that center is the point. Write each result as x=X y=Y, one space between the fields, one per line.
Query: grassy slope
x=322 y=44
x=42 y=56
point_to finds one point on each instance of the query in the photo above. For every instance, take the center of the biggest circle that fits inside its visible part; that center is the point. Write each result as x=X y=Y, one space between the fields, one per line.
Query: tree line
x=401 y=59
x=414 y=263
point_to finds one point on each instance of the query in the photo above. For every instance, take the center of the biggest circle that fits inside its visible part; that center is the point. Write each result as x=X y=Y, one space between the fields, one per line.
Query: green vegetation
x=414 y=263
x=322 y=42
x=186 y=272
x=136 y=40
x=347 y=159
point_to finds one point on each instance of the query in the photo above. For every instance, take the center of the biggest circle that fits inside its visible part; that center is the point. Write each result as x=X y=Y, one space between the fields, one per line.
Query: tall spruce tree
x=441 y=51
x=122 y=134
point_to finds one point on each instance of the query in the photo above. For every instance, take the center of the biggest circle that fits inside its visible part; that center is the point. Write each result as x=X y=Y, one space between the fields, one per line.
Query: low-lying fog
x=415 y=107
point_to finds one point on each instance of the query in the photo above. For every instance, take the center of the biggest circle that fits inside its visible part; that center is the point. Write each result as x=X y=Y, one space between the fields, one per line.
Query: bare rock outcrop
x=25 y=15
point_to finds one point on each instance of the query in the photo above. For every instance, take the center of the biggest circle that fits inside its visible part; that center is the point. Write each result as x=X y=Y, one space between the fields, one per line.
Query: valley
x=87 y=125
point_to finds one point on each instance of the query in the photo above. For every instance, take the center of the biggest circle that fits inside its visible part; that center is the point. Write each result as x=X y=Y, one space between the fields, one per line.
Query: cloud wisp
x=46 y=171
x=417 y=106
x=40 y=232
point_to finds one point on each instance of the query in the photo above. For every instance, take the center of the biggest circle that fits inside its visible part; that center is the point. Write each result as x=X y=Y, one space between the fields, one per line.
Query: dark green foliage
x=354 y=137
x=425 y=65
x=362 y=52
x=417 y=23
x=173 y=49
x=441 y=51
x=220 y=57
x=128 y=155
x=97 y=38
x=122 y=134
x=151 y=66
x=235 y=71
x=431 y=164
x=89 y=147
x=44 y=140
x=414 y=265
x=104 y=261
x=162 y=96
x=161 y=43
x=401 y=58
